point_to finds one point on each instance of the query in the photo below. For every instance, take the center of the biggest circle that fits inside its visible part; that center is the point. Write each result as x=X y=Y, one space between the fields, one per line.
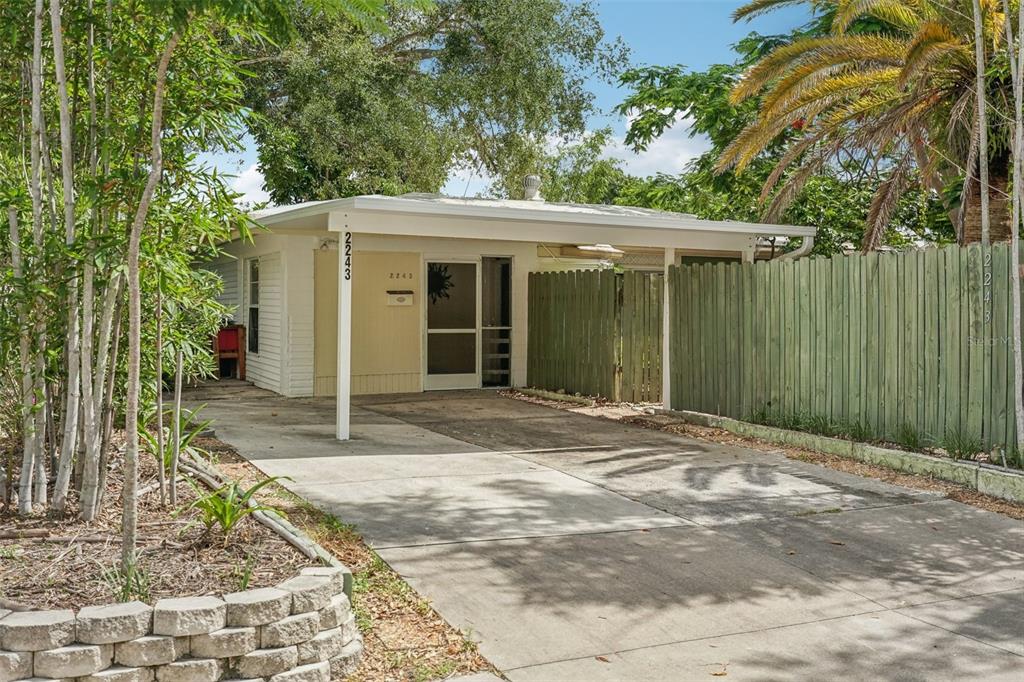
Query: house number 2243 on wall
x=348 y=256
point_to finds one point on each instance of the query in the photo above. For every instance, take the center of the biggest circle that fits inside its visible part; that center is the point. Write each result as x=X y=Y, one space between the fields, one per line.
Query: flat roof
x=626 y=217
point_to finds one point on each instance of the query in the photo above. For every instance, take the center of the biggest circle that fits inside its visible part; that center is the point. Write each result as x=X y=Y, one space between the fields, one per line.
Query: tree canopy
x=347 y=108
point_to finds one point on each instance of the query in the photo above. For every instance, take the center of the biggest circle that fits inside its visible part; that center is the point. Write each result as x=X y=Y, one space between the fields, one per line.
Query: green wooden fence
x=597 y=333
x=887 y=341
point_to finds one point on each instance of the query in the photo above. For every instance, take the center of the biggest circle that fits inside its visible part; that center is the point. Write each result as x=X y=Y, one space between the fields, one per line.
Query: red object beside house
x=229 y=344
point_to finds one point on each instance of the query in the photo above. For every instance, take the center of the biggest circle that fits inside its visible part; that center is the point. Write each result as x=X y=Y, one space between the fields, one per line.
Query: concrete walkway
x=577 y=548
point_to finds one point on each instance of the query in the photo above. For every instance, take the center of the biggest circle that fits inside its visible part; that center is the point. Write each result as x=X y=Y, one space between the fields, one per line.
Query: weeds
x=243 y=574
x=960 y=445
x=909 y=437
x=132 y=582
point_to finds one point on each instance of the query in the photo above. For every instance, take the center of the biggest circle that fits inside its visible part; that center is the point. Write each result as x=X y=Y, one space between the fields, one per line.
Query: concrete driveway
x=577 y=548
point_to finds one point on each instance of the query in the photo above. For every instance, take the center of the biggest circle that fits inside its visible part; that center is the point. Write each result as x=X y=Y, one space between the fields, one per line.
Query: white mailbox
x=400 y=297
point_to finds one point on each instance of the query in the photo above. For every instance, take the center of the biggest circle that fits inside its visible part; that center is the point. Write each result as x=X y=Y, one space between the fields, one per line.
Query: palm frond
x=899 y=13
x=885 y=201
x=795 y=184
x=757 y=8
x=838 y=87
x=787 y=160
x=824 y=51
x=932 y=42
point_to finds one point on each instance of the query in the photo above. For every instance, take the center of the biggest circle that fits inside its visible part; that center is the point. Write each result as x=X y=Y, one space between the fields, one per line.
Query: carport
x=376 y=294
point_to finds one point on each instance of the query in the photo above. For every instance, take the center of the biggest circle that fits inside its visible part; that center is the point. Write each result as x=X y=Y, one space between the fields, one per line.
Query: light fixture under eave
x=606 y=249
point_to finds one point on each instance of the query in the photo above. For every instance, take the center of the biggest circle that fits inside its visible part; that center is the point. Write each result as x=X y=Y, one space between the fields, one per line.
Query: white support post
x=666 y=374
x=344 y=399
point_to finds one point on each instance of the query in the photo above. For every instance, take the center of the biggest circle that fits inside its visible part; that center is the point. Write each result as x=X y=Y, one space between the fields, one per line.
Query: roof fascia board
x=451 y=227
x=397 y=205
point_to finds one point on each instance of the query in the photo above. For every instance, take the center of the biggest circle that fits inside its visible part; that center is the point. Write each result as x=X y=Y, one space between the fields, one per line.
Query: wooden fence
x=888 y=341
x=597 y=333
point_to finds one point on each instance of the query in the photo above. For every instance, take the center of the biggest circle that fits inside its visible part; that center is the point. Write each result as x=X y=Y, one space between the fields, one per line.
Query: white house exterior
x=428 y=292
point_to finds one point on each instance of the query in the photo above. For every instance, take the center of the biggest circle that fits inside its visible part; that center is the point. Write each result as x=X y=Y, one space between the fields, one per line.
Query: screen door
x=452 y=325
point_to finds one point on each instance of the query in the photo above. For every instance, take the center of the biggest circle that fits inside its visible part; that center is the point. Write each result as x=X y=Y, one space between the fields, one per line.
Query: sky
x=695 y=33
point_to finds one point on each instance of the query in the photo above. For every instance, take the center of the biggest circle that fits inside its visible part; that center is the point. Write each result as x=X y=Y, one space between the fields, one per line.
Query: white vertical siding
x=226 y=268
x=297 y=365
x=264 y=368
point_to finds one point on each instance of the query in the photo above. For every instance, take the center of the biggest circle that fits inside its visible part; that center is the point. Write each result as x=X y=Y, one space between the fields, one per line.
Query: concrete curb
x=560 y=397
x=985 y=478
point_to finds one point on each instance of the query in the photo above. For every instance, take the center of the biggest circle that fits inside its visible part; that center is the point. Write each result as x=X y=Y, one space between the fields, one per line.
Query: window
x=253 y=333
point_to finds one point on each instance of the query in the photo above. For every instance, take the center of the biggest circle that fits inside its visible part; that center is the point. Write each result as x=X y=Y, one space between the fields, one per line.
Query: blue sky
x=695 y=33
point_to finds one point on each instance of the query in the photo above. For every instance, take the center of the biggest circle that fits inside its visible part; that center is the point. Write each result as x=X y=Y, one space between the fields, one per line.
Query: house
x=378 y=294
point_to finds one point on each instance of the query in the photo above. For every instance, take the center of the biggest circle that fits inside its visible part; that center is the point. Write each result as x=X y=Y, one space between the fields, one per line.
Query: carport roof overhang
x=510 y=220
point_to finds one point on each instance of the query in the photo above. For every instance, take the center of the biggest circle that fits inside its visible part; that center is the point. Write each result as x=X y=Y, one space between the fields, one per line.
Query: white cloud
x=667 y=154
x=467 y=182
x=249 y=184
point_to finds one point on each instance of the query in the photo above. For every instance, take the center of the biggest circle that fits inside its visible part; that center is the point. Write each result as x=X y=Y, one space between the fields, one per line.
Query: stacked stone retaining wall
x=302 y=630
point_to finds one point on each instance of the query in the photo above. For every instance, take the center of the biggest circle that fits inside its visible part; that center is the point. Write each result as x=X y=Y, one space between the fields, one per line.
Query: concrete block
x=349 y=629
x=290 y=630
x=266 y=662
x=113 y=623
x=335 y=613
x=75 y=660
x=309 y=592
x=189 y=616
x=225 y=643
x=191 y=670
x=14 y=665
x=1008 y=485
x=257 y=607
x=340 y=577
x=37 y=630
x=119 y=673
x=150 y=650
x=313 y=672
x=323 y=647
x=347 y=660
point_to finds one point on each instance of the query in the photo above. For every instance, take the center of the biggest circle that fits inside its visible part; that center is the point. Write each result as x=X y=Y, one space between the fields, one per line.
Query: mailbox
x=400 y=297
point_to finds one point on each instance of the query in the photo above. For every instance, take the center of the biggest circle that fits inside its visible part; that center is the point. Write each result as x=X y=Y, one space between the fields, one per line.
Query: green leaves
x=225 y=507
x=348 y=109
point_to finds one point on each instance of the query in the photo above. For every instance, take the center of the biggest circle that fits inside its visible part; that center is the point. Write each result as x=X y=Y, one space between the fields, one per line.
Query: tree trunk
x=979 y=70
x=129 y=518
x=161 y=477
x=999 y=207
x=176 y=429
x=73 y=347
x=35 y=189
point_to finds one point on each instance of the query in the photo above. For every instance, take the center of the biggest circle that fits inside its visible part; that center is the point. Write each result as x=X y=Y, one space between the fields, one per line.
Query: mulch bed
x=405 y=638
x=61 y=564
x=65 y=567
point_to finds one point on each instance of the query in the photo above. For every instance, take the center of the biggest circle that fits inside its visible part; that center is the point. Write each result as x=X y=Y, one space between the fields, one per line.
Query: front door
x=453 y=314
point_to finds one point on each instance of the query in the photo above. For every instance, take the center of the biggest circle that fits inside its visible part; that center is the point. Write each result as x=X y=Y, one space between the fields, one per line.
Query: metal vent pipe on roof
x=531 y=188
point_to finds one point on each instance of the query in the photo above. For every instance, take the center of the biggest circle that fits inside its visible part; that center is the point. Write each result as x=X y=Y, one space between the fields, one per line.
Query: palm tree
x=893 y=82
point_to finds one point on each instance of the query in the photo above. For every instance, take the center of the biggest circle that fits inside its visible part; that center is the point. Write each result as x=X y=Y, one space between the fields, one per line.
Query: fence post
x=666 y=344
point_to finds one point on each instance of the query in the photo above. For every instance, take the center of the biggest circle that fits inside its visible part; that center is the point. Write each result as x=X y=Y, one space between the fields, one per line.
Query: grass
x=960 y=445
x=909 y=437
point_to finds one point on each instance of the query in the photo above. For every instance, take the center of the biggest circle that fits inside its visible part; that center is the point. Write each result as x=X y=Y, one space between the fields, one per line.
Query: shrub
x=226 y=506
